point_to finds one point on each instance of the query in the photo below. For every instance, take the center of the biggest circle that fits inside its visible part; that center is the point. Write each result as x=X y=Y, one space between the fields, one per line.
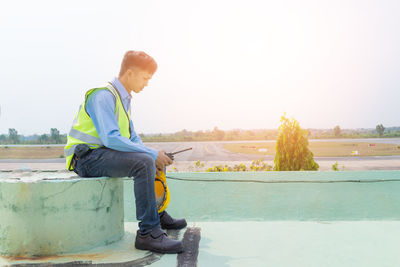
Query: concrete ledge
x=47 y=213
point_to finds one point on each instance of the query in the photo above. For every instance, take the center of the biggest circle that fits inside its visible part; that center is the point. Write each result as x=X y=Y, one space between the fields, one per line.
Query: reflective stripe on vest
x=85 y=137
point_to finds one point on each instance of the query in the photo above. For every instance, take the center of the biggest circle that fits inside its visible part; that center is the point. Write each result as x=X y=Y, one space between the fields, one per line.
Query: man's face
x=138 y=79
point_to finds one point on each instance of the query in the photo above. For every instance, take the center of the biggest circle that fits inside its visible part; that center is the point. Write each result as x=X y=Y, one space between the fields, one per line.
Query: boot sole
x=161 y=251
x=172 y=228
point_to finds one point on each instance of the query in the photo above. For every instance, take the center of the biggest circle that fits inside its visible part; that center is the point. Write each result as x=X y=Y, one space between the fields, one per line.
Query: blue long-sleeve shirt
x=101 y=106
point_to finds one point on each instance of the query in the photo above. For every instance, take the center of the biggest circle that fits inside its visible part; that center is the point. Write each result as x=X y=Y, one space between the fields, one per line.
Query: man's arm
x=136 y=138
x=101 y=106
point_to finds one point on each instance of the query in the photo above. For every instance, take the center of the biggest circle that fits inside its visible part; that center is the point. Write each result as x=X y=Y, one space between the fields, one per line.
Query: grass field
x=322 y=149
x=31 y=152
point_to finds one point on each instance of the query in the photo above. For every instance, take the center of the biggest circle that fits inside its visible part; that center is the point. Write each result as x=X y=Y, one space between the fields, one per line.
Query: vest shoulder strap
x=111 y=90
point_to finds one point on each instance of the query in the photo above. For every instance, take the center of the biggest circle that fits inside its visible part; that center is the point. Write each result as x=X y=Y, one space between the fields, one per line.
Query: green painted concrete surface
x=268 y=243
x=270 y=196
x=256 y=219
x=294 y=243
x=50 y=213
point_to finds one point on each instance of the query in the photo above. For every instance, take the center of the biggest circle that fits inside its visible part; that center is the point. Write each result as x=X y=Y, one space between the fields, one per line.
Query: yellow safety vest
x=83 y=130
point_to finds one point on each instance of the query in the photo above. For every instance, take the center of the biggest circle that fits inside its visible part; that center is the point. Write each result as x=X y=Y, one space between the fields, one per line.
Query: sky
x=230 y=64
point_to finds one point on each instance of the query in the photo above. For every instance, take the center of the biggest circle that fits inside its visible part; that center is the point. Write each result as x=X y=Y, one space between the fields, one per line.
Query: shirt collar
x=121 y=89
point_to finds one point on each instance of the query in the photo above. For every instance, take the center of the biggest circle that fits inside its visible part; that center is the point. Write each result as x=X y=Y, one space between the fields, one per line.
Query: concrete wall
x=59 y=216
x=298 y=196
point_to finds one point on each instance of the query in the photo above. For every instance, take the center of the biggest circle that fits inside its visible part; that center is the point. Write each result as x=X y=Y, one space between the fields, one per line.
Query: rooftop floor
x=278 y=243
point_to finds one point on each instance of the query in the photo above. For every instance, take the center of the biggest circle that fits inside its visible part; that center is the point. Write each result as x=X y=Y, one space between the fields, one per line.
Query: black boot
x=158 y=241
x=167 y=222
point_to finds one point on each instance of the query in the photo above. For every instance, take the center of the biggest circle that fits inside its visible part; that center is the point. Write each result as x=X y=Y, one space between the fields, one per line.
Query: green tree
x=380 y=129
x=218 y=134
x=55 y=135
x=337 y=130
x=13 y=136
x=43 y=139
x=3 y=138
x=292 y=153
x=63 y=138
x=198 y=134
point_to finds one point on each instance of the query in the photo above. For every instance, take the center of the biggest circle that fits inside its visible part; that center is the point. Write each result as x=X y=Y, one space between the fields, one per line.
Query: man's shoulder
x=100 y=93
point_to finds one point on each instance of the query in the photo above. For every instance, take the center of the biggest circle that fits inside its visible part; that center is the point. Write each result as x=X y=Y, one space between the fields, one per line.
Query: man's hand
x=162 y=161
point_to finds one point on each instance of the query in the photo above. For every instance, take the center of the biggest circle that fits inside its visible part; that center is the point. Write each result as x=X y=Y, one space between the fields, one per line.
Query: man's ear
x=128 y=72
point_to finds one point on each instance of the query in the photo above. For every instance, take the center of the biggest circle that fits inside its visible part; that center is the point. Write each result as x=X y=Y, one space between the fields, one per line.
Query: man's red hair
x=138 y=59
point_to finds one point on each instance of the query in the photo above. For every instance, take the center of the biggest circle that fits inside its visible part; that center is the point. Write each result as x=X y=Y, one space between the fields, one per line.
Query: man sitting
x=103 y=142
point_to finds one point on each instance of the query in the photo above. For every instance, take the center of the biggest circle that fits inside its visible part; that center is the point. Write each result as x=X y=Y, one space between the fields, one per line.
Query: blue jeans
x=108 y=162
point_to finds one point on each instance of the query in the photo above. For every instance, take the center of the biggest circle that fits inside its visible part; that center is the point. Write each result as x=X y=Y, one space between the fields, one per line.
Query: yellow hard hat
x=162 y=191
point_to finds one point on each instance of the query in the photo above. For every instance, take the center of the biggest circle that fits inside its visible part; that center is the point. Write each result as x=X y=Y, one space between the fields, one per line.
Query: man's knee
x=147 y=162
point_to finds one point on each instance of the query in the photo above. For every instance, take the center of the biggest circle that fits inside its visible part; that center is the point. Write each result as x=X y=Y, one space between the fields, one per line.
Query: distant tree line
x=337 y=132
x=213 y=135
x=54 y=136
x=268 y=134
